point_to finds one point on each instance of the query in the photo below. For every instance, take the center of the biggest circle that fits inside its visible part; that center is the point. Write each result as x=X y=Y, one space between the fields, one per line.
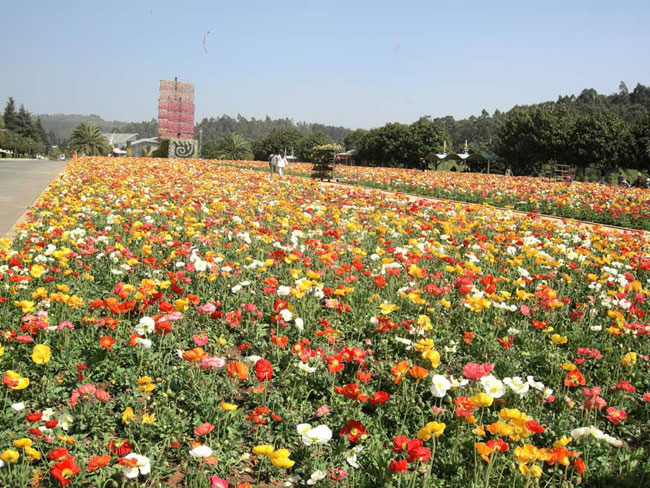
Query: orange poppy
x=97 y=462
x=237 y=370
x=399 y=370
x=196 y=354
x=418 y=372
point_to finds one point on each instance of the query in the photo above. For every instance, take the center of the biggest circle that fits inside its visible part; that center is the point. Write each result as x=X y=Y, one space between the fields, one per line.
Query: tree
x=10 y=117
x=306 y=145
x=25 y=127
x=602 y=141
x=623 y=90
x=530 y=137
x=287 y=139
x=642 y=143
x=353 y=138
x=233 y=147
x=386 y=145
x=88 y=139
x=426 y=137
x=40 y=132
x=144 y=129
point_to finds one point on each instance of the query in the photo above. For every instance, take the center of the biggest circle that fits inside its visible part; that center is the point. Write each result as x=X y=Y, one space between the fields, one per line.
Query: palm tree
x=89 y=140
x=233 y=147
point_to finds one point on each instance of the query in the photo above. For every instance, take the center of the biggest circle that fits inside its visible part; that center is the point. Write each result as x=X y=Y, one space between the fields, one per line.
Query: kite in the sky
x=204 y=38
x=399 y=44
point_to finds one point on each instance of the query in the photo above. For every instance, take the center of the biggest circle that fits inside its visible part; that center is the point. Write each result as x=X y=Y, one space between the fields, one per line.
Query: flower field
x=605 y=204
x=180 y=323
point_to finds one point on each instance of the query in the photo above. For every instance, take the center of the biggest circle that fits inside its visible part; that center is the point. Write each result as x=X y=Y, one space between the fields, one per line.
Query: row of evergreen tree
x=20 y=134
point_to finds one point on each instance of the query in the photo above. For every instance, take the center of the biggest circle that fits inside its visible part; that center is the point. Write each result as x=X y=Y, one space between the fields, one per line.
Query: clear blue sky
x=350 y=63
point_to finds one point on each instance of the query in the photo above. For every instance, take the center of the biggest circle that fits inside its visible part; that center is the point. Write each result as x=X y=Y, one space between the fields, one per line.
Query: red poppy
x=65 y=470
x=579 y=466
x=398 y=466
x=163 y=327
x=203 y=429
x=534 y=426
x=106 y=342
x=351 y=391
x=34 y=417
x=263 y=370
x=364 y=376
x=419 y=454
x=234 y=318
x=354 y=430
x=506 y=342
x=615 y=416
x=399 y=443
x=57 y=454
x=574 y=378
x=119 y=449
x=625 y=386
x=380 y=397
x=334 y=363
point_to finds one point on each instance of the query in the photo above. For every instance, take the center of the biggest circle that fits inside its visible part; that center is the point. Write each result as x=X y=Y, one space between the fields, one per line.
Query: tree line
x=20 y=134
x=599 y=132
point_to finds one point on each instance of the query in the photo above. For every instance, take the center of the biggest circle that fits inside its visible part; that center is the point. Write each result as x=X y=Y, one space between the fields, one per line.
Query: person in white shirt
x=281 y=162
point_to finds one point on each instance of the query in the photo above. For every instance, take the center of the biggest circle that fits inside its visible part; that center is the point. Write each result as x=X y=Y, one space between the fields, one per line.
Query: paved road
x=21 y=182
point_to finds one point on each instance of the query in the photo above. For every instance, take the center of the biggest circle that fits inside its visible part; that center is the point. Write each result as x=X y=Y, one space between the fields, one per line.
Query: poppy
x=65 y=470
x=263 y=370
x=237 y=370
x=106 y=342
x=97 y=462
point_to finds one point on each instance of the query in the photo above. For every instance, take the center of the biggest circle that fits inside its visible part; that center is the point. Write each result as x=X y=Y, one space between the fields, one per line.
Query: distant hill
x=62 y=125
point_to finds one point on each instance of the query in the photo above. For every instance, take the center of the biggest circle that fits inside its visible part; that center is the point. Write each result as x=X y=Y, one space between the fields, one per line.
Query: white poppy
x=458 y=383
x=286 y=315
x=440 y=385
x=316 y=476
x=300 y=325
x=306 y=368
x=351 y=457
x=493 y=386
x=283 y=291
x=145 y=326
x=319 y=435
x=146 y=343
x=201 y=451
x=143 y=466
x=517 y=385
x=65 y=421
x=302 y=429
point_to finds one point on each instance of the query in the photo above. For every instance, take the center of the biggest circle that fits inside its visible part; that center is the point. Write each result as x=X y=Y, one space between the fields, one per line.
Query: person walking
x=281 y=162
x=272 y=161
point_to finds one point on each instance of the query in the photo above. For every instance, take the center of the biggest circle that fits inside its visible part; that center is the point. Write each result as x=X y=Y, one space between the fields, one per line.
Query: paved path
x=21 y=182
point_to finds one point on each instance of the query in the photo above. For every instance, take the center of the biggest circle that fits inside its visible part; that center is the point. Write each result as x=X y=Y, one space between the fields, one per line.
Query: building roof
x=149 y=140
x=118 y=138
